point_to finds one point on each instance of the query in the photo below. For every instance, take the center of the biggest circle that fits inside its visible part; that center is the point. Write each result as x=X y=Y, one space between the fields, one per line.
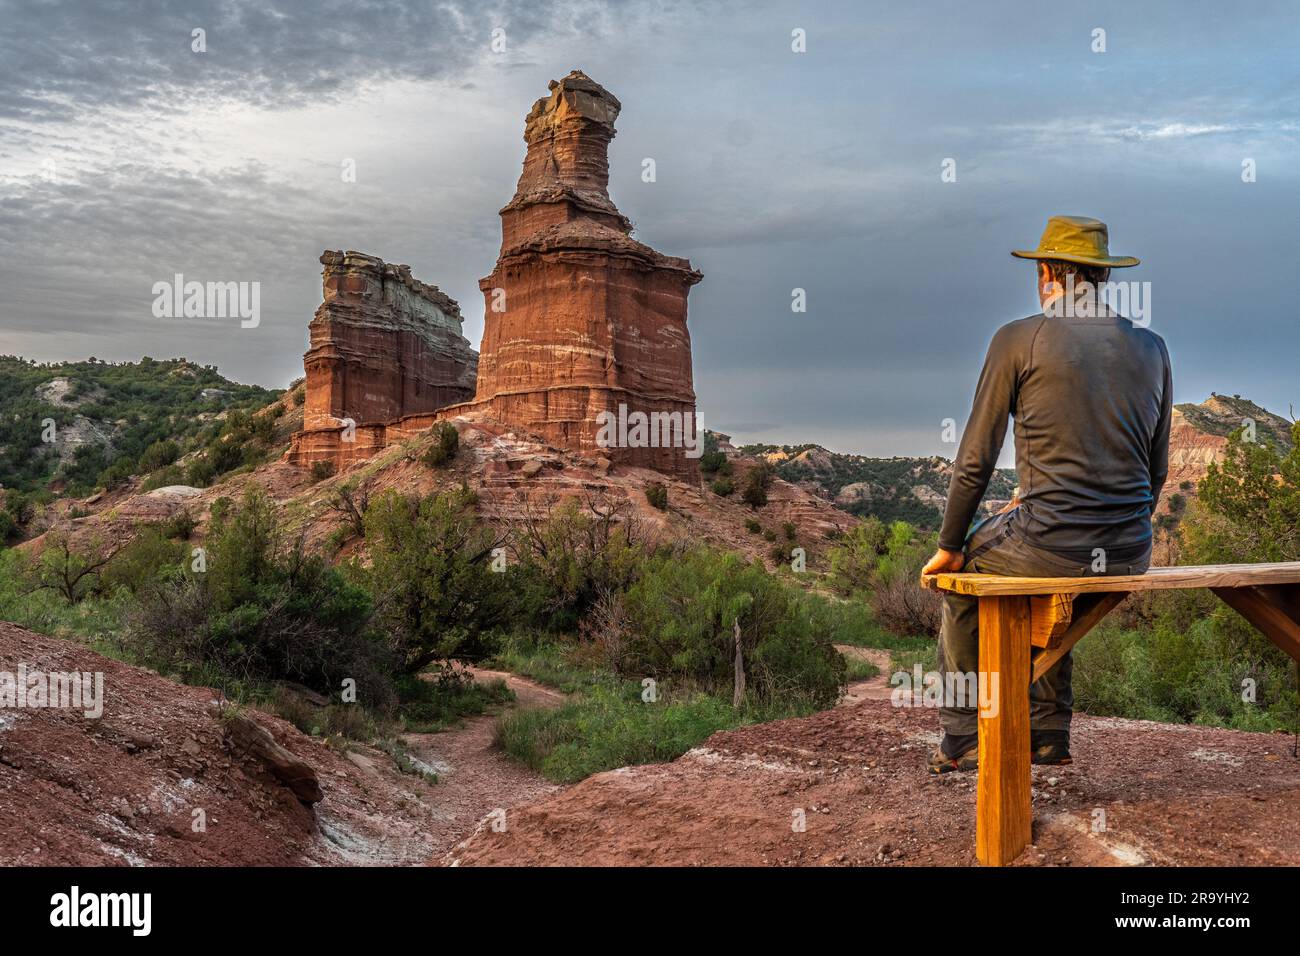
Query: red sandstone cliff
x=1199 y=434
x=384 y=347
x=581 y=318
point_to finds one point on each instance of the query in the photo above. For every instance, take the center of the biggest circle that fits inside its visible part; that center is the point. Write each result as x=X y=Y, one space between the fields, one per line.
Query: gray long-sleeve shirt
x=1091 y=398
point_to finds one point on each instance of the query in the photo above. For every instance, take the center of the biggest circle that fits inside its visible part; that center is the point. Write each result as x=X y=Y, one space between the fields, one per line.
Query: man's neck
x=1073 y=301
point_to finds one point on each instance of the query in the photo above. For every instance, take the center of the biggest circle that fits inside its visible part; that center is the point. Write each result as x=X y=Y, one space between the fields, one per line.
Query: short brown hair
x=1059 y=268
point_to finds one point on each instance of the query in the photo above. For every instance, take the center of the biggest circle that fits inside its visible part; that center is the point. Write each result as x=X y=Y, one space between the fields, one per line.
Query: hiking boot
x=967 y=750
x=1050 y=748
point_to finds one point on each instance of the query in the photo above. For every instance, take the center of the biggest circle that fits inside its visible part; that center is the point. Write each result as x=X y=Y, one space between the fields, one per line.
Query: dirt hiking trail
x=475 y=779
x=873 y=688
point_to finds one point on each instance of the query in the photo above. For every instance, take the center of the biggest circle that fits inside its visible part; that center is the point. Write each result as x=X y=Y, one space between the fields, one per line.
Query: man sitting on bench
x=1091 y=394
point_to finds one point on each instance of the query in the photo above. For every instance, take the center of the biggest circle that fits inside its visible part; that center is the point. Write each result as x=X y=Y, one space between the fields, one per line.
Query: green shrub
x=852 y=622
x=722 y=487
x=445 y=445
x=159 y=455
x=1185 y=656
x=432 y=702
x=180 y=525
x=223 y=455
x=74 y=571
x=907 y=658
x=19 y=509
x=757 y=483
x=117 y=474
x=243 y=440
x=163 y=477
x=320 y=470
x=1249 y=505
x=96 y=622
x=262 y=611
x=610 y=727
x=859 y=669
x=884 y=565
x=1187 y=674
x=141 y=563
x=854 y=558
x=437 y=597
x=568 y=557
x=656 y=493
x=715 y=462
x=555 y=660
x=899 y=601
x=680 y=618
x=335 y=540
x=753 y=526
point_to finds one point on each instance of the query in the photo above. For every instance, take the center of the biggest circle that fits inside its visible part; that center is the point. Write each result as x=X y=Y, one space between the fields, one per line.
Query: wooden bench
x=1028 y=624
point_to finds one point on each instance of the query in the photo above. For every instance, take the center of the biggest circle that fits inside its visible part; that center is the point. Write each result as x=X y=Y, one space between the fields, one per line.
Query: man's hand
x=944 y=561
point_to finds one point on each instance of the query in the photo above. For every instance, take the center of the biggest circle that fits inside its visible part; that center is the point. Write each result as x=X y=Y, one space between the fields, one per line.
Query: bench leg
x=1004 y=815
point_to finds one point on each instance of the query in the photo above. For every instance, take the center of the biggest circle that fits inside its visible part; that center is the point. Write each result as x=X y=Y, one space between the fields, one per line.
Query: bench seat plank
x=1157 y=579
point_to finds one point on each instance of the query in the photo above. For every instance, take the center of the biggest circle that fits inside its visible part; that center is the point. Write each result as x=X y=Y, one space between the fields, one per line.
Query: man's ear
x=1047 y=284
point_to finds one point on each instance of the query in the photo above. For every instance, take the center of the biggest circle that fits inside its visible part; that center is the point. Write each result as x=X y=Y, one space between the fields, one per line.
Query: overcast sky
x=126 y=157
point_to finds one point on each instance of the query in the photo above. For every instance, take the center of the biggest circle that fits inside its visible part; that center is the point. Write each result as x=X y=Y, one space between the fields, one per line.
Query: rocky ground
x=855 y=776
x=124 y=788
x=516 y=476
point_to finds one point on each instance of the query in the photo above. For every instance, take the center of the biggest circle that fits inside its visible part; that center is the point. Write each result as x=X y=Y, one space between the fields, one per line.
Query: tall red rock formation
x=384 y=347
x=581 y=319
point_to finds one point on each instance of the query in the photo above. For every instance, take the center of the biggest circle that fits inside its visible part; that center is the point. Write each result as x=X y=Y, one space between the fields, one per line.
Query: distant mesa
x=580 y=319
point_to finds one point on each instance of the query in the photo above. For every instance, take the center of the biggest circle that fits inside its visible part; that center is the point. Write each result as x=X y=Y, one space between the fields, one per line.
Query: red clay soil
x=477 y=782
x=121 y=789
x=1170 y=795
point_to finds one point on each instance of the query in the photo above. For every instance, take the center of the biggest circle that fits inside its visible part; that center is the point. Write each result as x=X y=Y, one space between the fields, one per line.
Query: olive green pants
x=995 y=546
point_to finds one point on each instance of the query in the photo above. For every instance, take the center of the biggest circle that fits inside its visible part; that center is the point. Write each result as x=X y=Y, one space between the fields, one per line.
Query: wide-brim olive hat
x=1077 y=239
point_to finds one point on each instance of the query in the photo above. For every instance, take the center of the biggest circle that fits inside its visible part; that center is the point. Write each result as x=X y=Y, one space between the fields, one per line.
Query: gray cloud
x=61 y=59
x=775 y=171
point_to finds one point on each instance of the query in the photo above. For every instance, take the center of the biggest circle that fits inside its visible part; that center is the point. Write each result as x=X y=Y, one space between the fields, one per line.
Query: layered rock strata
x=585 y=326
x=386 y=351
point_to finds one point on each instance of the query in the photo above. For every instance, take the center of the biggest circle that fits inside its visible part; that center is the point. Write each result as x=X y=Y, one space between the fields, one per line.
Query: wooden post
x=738 y=685
x=1004 y=812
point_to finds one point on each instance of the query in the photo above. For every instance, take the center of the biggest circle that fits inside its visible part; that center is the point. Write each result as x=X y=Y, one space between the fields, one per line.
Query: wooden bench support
x=1004 y=814
x=1089 y=609
x=1049 y=618
x=1285 y=596
x=1268 y=612
x=1049 y=615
